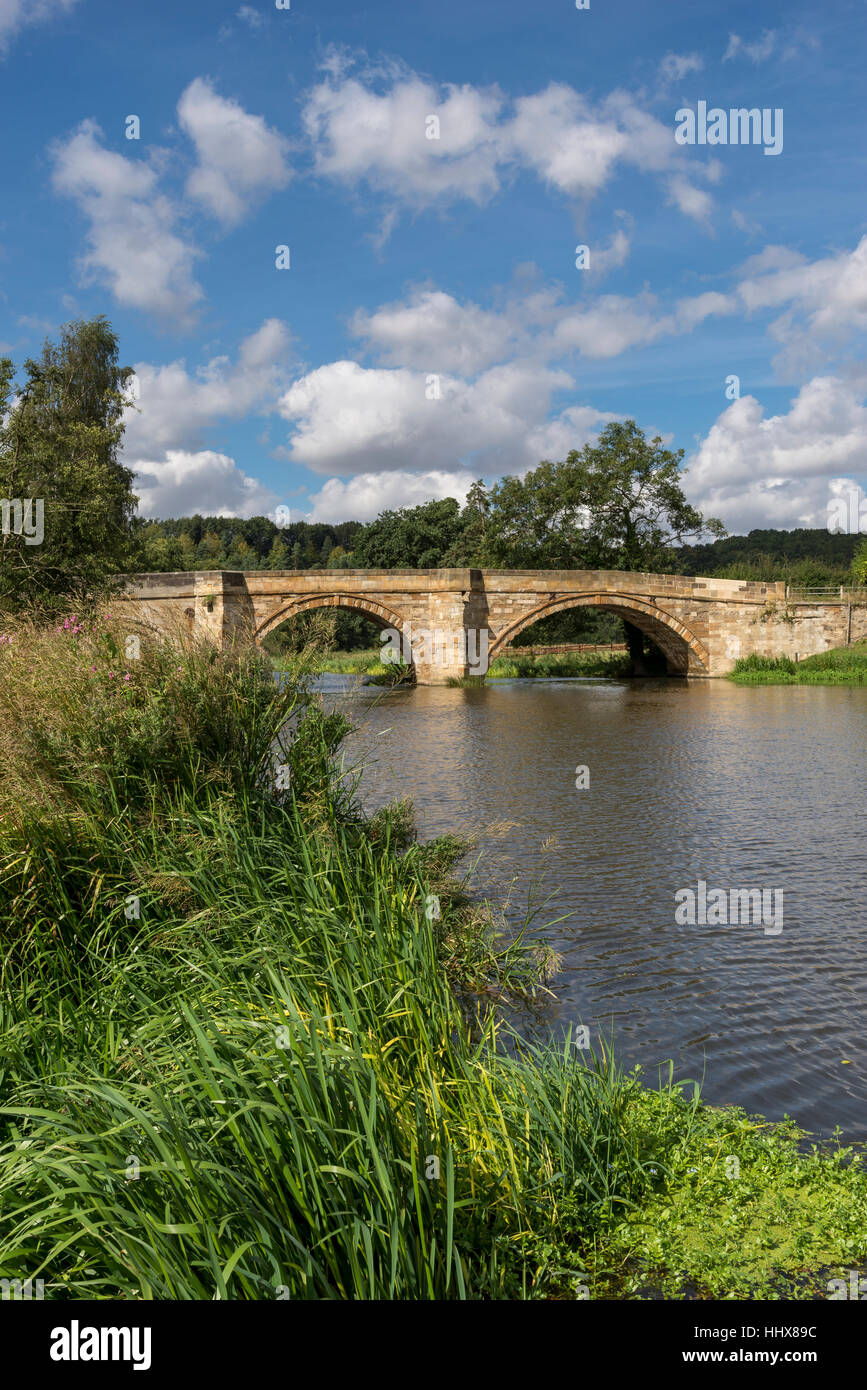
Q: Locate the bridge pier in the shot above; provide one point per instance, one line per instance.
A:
(222, 607)
(453, 640)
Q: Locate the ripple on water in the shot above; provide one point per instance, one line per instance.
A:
(742, 788)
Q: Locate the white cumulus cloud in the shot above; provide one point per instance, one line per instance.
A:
(14, 14)
(434, 331)
(240, 158)
(424, 145)
(348, 419)
(210, 483)
(134, 247)
(359, 133)
(363, 497)
(174, 406)
(754, 470)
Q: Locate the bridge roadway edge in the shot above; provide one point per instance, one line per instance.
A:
(701, 623)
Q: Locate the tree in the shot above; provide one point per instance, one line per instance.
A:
(260, 533)
(859, 564)
(160, 554)
(209, 552)
(241, 557)
(468, 547)
(59, 442)
(278, 555)
(616, 504)
(411, 538)
(188, 552)
(341, 559)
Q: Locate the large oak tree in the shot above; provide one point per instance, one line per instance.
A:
(615, 504)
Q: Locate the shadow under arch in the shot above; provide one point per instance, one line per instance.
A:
(683, 652)
(377, 612)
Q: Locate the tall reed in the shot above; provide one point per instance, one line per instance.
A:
(241, 1055)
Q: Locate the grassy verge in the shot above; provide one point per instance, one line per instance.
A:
(249, 1046)
(550, 666)
(840, 666)
(365, 663)
(351, 663)
(562, 664)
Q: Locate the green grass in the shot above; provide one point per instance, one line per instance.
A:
(559, 665)
(365, 663)
(352, 663)
(503, 667)
(250, 1045)
(390, 673)
(840, 666)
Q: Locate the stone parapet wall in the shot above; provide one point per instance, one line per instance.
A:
(702, 625)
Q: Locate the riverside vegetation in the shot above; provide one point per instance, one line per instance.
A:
(241, 1058)
(840, 666)
(514, 663)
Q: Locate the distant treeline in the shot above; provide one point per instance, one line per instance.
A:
(228, 543)
(425, 538)
(801, 556)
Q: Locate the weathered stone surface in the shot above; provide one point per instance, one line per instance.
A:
(701, 625)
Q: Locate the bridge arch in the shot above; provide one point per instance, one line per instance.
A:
(681, 648)
(377, 612)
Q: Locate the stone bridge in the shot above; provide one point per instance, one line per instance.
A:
(700, 625)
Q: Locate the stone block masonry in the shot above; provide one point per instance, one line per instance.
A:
(701, 625)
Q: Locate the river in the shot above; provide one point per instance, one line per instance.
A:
(738, 787)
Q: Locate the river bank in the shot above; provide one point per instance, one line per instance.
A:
(605, 661)
(251, 1046)
(840, 666)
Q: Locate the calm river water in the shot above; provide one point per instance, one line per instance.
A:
(741, 788)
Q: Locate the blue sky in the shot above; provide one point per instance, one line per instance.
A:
(432, 169)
